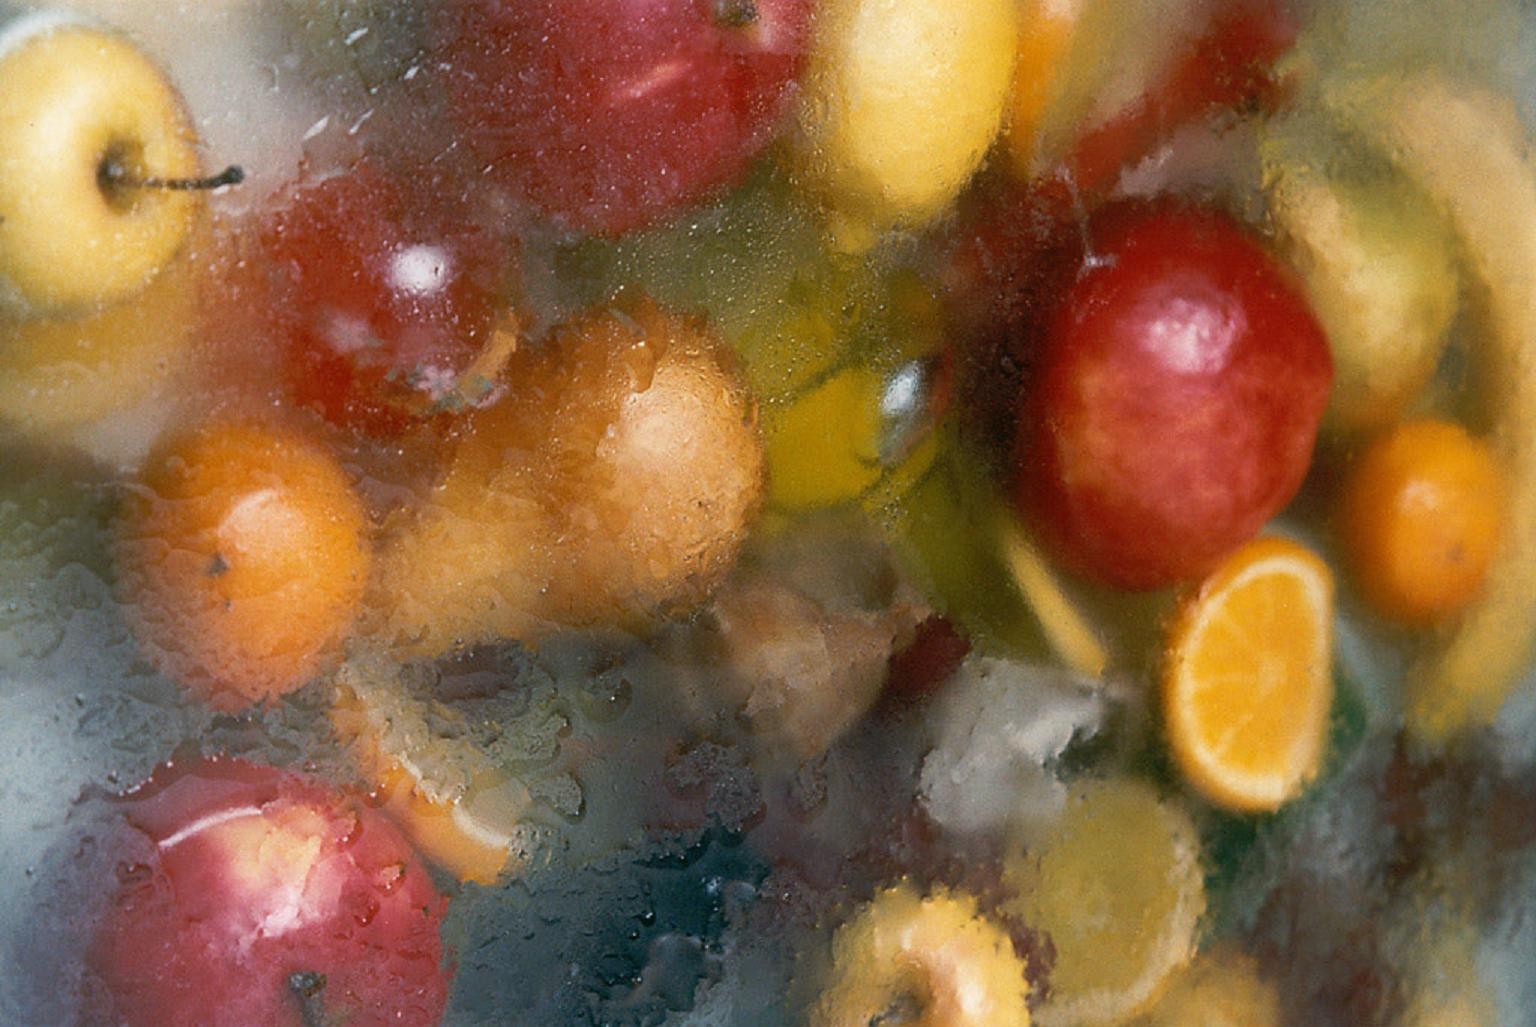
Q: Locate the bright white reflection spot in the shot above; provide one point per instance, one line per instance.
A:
(903, 392)
(419, 270)
(1193, 337)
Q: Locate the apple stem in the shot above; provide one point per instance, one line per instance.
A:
(735, 14)
(115, 175)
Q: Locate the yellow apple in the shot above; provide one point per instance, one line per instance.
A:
(88, 124)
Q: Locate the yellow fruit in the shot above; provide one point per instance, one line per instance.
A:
(1248, 678)
(60, 373)
(75, 102)
(1221, 988)
(1378, 266)
(900, 101)
(1468, 151)
(939, 953)
(1117, 886)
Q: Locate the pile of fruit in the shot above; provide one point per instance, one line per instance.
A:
(758, 511)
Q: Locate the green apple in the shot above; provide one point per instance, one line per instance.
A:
(97, 156)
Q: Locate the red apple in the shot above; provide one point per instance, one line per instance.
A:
(268, 899)
(611, 115)
(384, 295)
(1175, 400)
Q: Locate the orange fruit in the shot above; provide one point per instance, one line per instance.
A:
(1247, 680)
(242, 558)
(1046, 37)
(1420, 518)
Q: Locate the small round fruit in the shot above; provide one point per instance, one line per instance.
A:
(86, 117)
(937, 951)
(1420, 519)
(265, 897)
(1117, 887)
(242, 556)
(1175, 401)
(900, 102)
(384, 300)
(655, 465)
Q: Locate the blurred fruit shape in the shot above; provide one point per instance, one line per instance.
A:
(1420, 518)
(1467, 149)
(846, 357)
(1074, 639)
(99, 150)
(384, 298)
(1378, 265)
(460, 810)
(608, 117)
(943, 531)
(1117, 887)
(58, 373)
(924, 959)
(864, 432)
(1248, 676)
(1221, 988)
(900, 102)
(263, 896)
(1046, 34)
(797, 642)
(612, 486)
(1173, 408)
(242, 557)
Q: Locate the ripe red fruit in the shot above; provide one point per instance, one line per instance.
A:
(382, 296)
(611, 115)
(1175, 401)
(268, 898)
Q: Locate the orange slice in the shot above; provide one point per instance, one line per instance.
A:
(1248, 684)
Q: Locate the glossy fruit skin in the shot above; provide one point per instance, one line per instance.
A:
(381, 295)
(242, 559)
(71, 98)
(1176, 399)
(1420, 518)
(254, 875)
(608, 116)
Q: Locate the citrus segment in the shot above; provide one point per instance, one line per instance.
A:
(1221, 988)
(936, 953)
(1247, 684)
(1118, 889)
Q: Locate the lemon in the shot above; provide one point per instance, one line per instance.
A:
(901, 100)
(938, 952)
(1221, 988)
(1117, 887)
